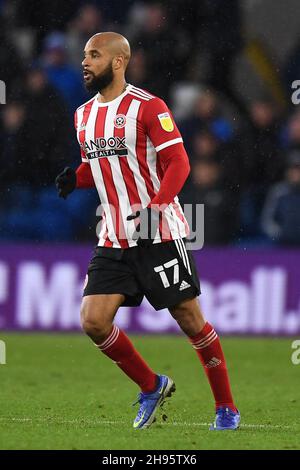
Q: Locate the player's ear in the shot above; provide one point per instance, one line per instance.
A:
(118, 62)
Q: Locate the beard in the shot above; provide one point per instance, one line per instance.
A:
(100, 82)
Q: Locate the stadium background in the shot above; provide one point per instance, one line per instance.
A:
(226, 69)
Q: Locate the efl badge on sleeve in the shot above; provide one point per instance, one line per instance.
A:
(166, 122)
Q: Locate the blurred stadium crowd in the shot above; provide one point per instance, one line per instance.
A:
(244, 151)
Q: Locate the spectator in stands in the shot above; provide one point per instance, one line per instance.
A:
(262, 161)
(219, 205)
(42, 17)
(11, 66)
(215, 30)
(165, 58)
(13, 146)
(137, 72)
(35, 146)
(61, 75)
(291, 135)
(281, 214)
(47, 112)
(260, 145)
(207, 114)
(35, 132)
(291, 69)
(207, 146)
(87, 22)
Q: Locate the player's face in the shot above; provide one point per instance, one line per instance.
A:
(97, 69)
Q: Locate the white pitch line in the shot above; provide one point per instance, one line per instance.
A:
(55, 420)
(253, 426)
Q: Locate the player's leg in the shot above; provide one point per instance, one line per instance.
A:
(111, 283)
(97, 315)
(168, 275)
(206, 342)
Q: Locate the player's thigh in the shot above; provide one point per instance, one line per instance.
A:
(100, 309)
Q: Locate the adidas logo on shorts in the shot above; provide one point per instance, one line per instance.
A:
(184, 285)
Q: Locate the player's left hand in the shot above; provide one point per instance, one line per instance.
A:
(66, 182)
(147, 226)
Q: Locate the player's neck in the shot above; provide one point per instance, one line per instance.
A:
(112, 92)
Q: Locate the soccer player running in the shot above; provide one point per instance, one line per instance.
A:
(133, 153)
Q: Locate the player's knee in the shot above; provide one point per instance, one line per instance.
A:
(93, 323)
(189, 308)
(96, 330)
(188, 316)
(182, 311)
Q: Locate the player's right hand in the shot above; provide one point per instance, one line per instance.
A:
(147, 226)
(66, 182)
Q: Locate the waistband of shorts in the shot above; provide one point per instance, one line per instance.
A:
(107, 252)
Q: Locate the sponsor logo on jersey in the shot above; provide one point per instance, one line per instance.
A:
(119, 121)
(100, 147)
(166, 122)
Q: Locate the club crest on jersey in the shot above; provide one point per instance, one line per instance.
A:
(119, 121)
(166, 122)
(82, 126)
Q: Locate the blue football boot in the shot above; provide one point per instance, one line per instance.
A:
(226, 419)
(149, 402)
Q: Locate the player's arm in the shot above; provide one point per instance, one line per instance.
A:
(160, 127)
(162, 130)
(69, 179)
(176, 170)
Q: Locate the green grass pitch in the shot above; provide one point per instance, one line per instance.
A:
(59, 392)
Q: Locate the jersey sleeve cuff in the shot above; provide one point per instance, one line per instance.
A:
(167, 144)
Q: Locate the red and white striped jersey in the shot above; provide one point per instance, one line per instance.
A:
(121, 140)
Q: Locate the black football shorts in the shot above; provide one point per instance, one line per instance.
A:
(164, 273)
